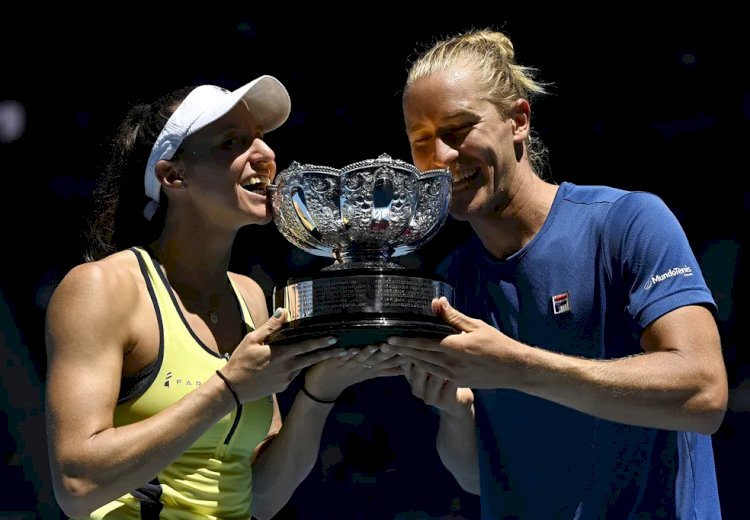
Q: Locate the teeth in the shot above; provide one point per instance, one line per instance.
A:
(255, 182)
(462, 174)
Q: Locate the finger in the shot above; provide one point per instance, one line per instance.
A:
(395, 342)
(386, 364)
(450, 384)
(388, 372)
(453, 317)
(303, 347)
(418, 380)
(310, 358)
(386, 349)
(432, 368)
(432, 387)
(366, 357)
(350, 353)
(273, 324)
(386, 354)
(372, 356)
(429, 356)
(346, 356)
(407, 368)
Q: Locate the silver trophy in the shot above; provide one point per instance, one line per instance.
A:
(361, 216)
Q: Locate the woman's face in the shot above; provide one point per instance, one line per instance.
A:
(228, 167)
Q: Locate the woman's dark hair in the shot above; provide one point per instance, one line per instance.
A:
(117, 220)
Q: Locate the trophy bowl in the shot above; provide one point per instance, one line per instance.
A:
(361, 216)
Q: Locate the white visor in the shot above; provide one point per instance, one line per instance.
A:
(266, 98)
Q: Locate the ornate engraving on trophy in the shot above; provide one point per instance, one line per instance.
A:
(360, 216)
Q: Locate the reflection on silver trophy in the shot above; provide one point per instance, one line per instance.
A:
(361, 216)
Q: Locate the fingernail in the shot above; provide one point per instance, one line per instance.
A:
(278, 312)
(331, 341)
(341, 353)
(372, 349)
(384, 348)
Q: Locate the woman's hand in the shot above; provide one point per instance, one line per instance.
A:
(327, 379)
(256, 369)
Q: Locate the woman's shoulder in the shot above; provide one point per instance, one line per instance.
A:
(252, 293)
(97, 306)
(114, 276)
(250, 289)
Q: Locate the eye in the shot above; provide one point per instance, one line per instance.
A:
(239, 143)
(455, 135)
(231, 143)
(420, 140)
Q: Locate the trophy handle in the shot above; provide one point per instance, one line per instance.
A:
(303, 214)
(434, 192)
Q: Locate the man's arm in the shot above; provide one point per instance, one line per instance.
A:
(678, 383)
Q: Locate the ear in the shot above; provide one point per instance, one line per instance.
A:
(170, 174)
(521, 120)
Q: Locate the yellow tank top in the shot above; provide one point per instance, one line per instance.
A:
(213, 478)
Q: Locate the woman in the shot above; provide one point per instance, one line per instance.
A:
(160, 389)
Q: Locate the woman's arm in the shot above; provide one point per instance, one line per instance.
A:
(94, 317)
(99, 312)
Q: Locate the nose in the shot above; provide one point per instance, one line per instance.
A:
(445, 154)
(261, 152)
(262, 157)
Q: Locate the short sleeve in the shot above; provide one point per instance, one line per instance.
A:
(650, 255)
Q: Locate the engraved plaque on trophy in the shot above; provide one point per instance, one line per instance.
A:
(361, 216)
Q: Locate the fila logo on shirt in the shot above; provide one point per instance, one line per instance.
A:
(561, 303)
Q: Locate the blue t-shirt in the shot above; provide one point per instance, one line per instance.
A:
(605, 264)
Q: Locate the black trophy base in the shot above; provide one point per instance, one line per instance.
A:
(359, 331)
(361, 306)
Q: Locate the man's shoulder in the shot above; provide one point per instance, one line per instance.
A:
(609, 204)
(591, 194)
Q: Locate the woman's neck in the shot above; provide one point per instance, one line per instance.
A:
(200, 265)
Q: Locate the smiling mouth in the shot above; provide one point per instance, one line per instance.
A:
(462, 179)
(257, 185)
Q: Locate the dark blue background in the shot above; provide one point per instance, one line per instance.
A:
(637, 101)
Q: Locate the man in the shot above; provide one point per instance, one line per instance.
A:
(592, 349)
